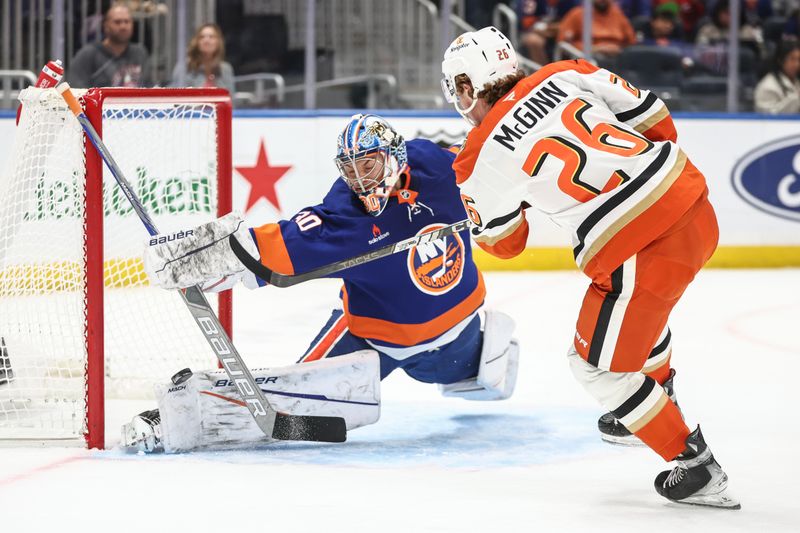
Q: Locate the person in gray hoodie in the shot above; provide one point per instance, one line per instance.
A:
(114, 61)
(205, 64)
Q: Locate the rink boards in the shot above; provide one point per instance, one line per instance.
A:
(752, 164)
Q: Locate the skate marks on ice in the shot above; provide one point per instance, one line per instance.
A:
(411, 435)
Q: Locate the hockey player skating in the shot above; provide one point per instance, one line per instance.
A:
(598, 157)
(418, 310)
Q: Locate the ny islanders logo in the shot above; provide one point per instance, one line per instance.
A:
(436, 267)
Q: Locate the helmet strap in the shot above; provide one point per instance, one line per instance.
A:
(463, 112)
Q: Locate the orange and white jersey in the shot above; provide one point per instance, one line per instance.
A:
(587, 149)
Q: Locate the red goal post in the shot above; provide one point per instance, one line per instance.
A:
(174, 146)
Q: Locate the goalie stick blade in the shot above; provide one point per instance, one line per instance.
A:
(309, 428)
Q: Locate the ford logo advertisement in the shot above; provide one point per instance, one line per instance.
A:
(768, 178)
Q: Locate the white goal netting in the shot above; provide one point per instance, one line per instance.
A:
(168, 152)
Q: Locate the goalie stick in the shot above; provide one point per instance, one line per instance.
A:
(287, 280)
(275, 425)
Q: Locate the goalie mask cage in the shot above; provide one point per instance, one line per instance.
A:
(78, 321)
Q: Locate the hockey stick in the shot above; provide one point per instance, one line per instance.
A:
(287, 280)
(275, 425)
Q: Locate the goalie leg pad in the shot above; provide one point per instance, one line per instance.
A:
(205, 411)
(499, 363)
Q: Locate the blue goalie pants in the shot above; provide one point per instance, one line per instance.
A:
(452, 362)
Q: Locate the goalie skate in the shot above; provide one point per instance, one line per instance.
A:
(143, 433)
(698, 478)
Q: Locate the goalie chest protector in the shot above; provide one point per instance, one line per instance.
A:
(404, 299)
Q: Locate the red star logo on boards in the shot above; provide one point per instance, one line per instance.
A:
(263, 177)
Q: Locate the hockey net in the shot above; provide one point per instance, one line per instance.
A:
(79, 322)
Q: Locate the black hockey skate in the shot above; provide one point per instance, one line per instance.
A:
(6, 374)
(613, 432)
(697, 479)
(143, 433)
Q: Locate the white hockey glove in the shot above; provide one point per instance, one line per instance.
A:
(201, 256)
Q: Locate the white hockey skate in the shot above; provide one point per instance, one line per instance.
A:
(143, 433)
(698, 478)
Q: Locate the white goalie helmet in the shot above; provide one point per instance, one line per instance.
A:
(484, 56)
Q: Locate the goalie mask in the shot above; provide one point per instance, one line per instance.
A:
(370, 157)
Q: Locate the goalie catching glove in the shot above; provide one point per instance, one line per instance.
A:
(201, 256)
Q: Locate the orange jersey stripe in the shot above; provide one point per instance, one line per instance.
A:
(327, 341)
(666, 433)
(654, 221)
(509, 246)
(465, 162)
(272, 249)
(412, 334)
(663, 130)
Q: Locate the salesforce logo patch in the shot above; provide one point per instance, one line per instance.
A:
(768, 178)
(436, 267)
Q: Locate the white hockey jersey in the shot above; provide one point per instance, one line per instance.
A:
(589, 150)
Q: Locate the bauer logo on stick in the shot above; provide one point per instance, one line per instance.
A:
(436, 266)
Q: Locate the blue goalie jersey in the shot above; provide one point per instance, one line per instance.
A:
(405, 299)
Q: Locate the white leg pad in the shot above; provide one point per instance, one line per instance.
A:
(205, 412)
(611, 389)
(497, 373)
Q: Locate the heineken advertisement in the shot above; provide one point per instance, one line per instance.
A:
(56, 199)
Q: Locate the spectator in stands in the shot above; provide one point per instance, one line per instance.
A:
(689, 11)
(205, 64)
(711, 50)
(779, 90)
(662, 30)
(716, 30)
(539, 21)
(611, 29)
(114, 61)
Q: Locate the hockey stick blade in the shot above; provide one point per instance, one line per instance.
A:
(263, 413)
(287, 280)
(309, 428)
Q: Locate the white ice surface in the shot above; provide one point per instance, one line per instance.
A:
(533, 463)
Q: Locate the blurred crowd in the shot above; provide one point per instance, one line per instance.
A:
(115, 61)
(695, 32)
(679, 42)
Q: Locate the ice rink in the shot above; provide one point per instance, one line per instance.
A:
(533, 463)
